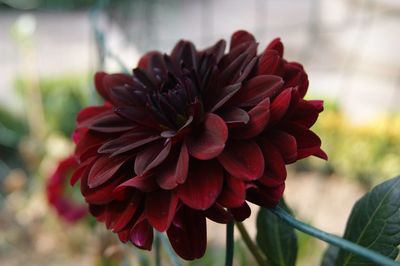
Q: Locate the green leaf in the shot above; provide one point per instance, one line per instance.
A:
(374, 223)
(276, 239)
(330, 256)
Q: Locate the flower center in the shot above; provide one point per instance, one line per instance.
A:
(175, 100)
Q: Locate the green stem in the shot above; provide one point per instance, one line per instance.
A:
(255, 251)
(229, 245)
(157, 248)
(332, 239)
(170, 252)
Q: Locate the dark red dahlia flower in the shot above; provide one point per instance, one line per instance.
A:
(56, 196)
(193, 135)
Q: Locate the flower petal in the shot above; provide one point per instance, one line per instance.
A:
(267, 197)
(306, 112)
(248, 68)
(243, 160)
(151, 156)
(145, 79)
(259, 117)
(141, 235)
(82, 170)
(240, 37)
(128, 213)
(109, 123)
(102, 194)
(257, 89)
(232, 71)
(55, 192)
(160, 208)
(218, 214)
(275, 169)
(98, 211)
(295, 76)
(189, 56)
(88, 144)
(103, 169)
(308, 143)
(188, 234)
(93, 115)
(223, 95)
(285, 143)
(279, 106)
(234, 116)
(269, 63)
(110, 81)
(249, 48)
(157, 66)
(127, 96)
(175, 171)
(138, 115)
(143, 183)
(147, 60)
(184, 53)
(210, 140)
(127, 142)
(99, 84)
(202, 186)
(216, 50)
(89, 113)
(241, 213)
(124, 235)
(321, 154)
(276, 45)
(233, 193)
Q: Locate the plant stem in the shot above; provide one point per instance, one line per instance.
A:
(171, 254)
(157, 248)
(229, 245)
(251, 246)
(332, 239)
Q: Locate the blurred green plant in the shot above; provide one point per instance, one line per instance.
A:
(363, 152)
(62, 98)
(12, 130)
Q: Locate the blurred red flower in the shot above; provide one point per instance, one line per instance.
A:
(193, 135)
(56, 196)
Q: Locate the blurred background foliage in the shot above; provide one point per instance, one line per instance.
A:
(368, 153)
(62, 97)
(49, 61)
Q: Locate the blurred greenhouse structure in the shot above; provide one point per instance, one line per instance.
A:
(49, 51)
